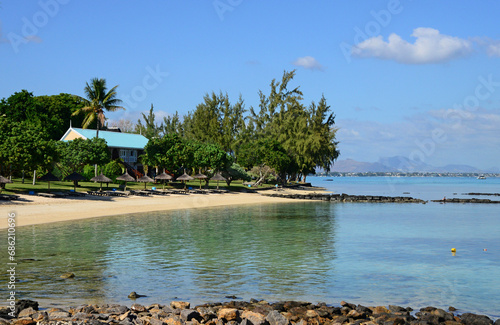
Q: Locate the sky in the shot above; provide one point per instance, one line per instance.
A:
(419, 79)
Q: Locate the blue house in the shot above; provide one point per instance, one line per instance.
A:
(126, 146)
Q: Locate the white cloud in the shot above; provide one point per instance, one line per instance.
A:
(430, 47)
(308, 62)
(493, 49)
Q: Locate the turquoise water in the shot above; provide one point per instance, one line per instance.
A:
(371, 254)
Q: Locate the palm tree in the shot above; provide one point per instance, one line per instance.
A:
(98, 100)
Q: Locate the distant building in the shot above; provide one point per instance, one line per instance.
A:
(126, 146)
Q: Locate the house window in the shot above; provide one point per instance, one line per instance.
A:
(133, 156)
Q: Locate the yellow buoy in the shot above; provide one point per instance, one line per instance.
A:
(454, 250)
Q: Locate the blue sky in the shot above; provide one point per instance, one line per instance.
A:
(419, 79)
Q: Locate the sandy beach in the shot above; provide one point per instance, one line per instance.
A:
(32, 210)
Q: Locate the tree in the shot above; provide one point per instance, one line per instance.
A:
(235, 172)
(98, 99)
(307, 135)
(24, 146)
(216, 121)
(150, 129)
(208, 156)
(77, 153)
(172, 124)
(262, 154)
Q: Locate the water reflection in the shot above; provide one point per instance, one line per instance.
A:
(269, 251)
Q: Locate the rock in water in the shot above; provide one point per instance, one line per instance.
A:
(68, 275)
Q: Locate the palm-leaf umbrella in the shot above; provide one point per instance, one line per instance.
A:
(4, 180)
(49, 177)
(163, 176)
(184, 177)
(218, 178)
(101, 179)
(200, 177)
(145, 179)
(75, 177)
(126, 178)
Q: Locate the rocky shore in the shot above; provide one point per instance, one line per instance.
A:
(26, 312)
(347, 198)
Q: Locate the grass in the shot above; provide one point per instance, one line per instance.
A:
(17, 187)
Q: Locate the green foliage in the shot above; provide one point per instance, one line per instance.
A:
(24, 146)
(210, 156)
(98, 100)
(235, 172)
(51, 113)
(76, 153)
(150, 129)
(216, 121)
(113, 169)
(88, 171)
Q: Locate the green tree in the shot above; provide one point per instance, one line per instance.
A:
(216, 121)
(235, 172)
(149, 129)
(77, 153)
(24, 146)
(172, 124)
(98, 100)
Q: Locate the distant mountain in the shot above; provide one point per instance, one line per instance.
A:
(399, 164)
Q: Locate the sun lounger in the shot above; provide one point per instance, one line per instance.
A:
(98, 193)
(7, 197)
(118, 193)
(46, 194)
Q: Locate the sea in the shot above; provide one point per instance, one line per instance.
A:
(362, 253)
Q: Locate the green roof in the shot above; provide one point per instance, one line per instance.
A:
(113, 139)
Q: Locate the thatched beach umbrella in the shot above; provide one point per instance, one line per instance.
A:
(218, 177)
(101, 179)
(49, 177)
(4, 180)
(126, 178)
(163, 176)
(200, 177)
(185, 177)
(75, 177)
(145, 179)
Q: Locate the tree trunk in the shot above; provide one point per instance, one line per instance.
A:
(34, 177)
(23, 176)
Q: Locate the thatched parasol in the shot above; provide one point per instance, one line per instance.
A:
(101, 179)
(145, 179)
(218, 178)
(4, 180)
(49, 177)
(200, 177)
(75, 177)
(126, 178)
(163, 176)
(184, 177)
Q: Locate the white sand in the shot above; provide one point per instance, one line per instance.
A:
(32, 210)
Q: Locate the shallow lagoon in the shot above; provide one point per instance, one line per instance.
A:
(372, 254)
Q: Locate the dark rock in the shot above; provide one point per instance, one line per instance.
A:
(231, 297)
(452, 308)
(253, 317)
(279, 306)
(396, 309)
(80, 315)
(135, 295)
(497, 322)
(363, 309)
(190, 314)
(473, 319)
(116, 310)
(275, 318)
(25, 303)
(348, 305)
